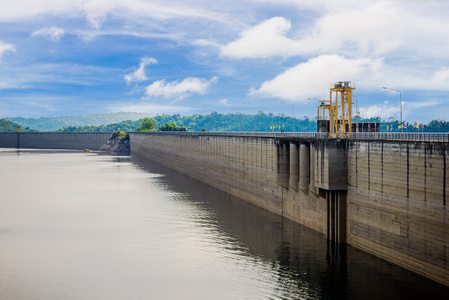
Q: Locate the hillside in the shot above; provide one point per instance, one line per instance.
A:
(212, 122)
(260, 122)
(8, 126)
(55, 123)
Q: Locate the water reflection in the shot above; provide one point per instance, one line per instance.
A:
(302, 263)
(79, 225)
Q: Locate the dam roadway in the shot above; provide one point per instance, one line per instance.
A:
(384, 193)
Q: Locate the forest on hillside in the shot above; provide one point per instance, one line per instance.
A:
(260, 122)
(213, 122)
(8, 126)
(55, 123)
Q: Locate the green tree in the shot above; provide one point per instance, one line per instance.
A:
(8, 126)
(147, 125)
(171, 127)
(120, 136)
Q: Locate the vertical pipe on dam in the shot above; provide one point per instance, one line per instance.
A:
(342, 216)
(294, 166)
(331, 222)
(313, 165)
(304, 170)
(283, 164)
(336, 216)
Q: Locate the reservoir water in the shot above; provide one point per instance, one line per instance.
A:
(76, 225)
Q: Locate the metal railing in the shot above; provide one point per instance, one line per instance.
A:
(425, 137)
(394, 136)
(240, 133)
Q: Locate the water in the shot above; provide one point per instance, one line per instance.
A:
(84, 226)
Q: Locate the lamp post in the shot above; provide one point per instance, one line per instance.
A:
(400, 101)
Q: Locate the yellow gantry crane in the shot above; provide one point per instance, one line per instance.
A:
(338, 109)
(323, 110)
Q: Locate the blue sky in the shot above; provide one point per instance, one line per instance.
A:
(197, 56)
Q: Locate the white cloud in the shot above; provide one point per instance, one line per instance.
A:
(29, 76)
(96, 12)
(179, 90)
(419, 105)
(264, 40)
(383, 110)
(369, 29)
(206, 43)
(139, 74)
(312, 78)
(394, 43)
(413, 77)
(386, 110)
(4, 47)
(53, 33)
(223, 102)
(320, 5)
(440, 79)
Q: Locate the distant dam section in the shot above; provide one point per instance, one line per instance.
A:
(383, 193)
(54, 140)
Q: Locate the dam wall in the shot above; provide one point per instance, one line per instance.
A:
(54, 140)
(384, 194)
(386, 197)
(397, 203)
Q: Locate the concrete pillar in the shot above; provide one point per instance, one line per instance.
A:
(342, 216)
(294, 166)
(304, 170)
(283, 164)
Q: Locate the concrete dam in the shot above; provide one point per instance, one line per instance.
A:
(54, 140)
(384, 193)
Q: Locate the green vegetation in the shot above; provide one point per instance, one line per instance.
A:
(120, 136)
(437, 126)
(235, 122)
(146, 125)
(124, 126)
(55, 123)
(149, 125)
(171, 127)
(260, 122)
(8, 126)
(211, 122)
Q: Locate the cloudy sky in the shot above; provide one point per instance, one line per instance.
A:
(198, 56)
